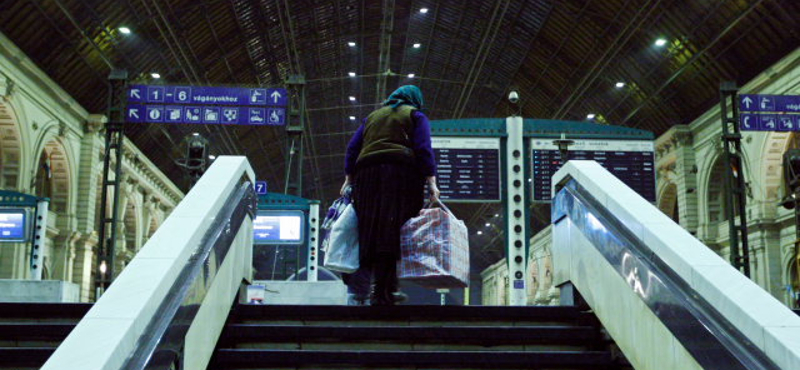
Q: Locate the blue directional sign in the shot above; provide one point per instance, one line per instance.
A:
(206, 105)
(769, 112)
(207, 95)
(261, 187)
(769, 103)
(151, 113)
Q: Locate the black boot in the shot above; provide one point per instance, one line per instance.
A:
(385, 275)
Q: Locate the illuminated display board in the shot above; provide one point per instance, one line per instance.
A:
(632, 161)
(468, 168)
(279, 227)
(13, 222)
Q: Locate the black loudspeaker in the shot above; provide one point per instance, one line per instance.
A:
(791, 177)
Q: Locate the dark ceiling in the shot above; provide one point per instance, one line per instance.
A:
(564, 56)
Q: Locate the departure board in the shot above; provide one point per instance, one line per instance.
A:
(632, 161)
(468, 169)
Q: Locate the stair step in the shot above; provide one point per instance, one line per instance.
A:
(17, 358)
(265, 359)
(244, 312)
(480, 335)
(44, 311)
(35, 331)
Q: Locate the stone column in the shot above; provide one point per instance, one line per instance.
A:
(64, 255)
(686, 179)
(90, 173)
(83, 269)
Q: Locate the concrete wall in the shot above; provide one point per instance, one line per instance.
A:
(50, 145)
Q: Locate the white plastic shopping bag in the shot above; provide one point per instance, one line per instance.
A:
(342, 253)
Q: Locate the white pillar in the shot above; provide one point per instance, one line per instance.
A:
(516, 208)
(312, 271)
(37, 245)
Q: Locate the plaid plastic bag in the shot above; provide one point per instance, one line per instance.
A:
(434, 249)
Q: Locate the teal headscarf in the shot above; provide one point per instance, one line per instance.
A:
(408, 95)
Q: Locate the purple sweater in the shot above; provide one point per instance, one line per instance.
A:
(422, 146)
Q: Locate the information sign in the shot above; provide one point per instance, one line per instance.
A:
(632, 161)
(769, 112)
(261, 187)
(278, 227)
(12, 225)
(207, 95)
(206, 105)
(468, 169)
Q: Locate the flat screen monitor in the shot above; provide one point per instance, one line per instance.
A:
(13, 225)
(279, 227)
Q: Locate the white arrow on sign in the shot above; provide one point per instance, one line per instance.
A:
(747, 101)
(275, 96)
(135, 94)
(133, 113)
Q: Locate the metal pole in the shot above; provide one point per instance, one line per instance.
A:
(115, 136)
(294, 131)
(734, 178)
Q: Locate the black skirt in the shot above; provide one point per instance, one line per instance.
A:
(385, 196)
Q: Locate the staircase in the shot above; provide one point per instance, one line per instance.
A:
(412, 337)
(30, 332)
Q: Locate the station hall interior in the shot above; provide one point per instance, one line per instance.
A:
(625, 174)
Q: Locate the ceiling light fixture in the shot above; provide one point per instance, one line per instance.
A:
(351, 44)
(423, 10)
(620, 85)
(411, 75)
(351, 74)
(124, 30)
(155, 75)
(496, 215)
(590, 116)
(417, 45)
(480, 232)
(352, 98)
(488, 224)
(661, 42)
(352, 118)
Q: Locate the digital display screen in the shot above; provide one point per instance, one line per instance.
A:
(279, 227)
(631, 161)
(468, 169)
(12, 225)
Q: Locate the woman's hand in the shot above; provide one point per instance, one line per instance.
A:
(345, 185)
(433, 190)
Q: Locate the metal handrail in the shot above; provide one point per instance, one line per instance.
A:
(160, 346)
(713, 341)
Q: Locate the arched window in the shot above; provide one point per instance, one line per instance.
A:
(717, 193)
(668, 202)
(10, 149)
(52, 176)
(44, 178)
